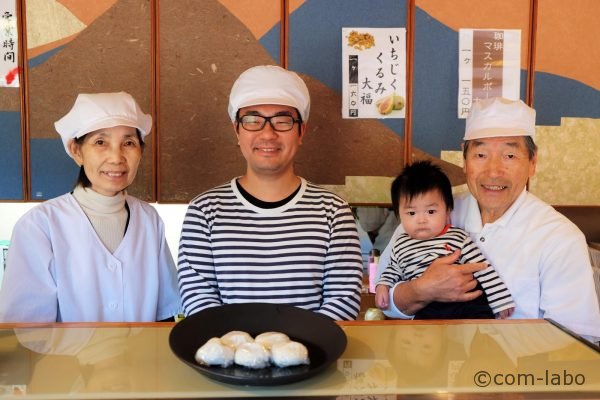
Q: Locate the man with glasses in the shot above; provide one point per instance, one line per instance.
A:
(269, 235)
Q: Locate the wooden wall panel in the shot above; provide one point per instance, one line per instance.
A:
(436, 126)
(567, 100)
(203, 48)
(335, 148)
(567, 78)
(203, 45)
(112, 53)
(11, 162)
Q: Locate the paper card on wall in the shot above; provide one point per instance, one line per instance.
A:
(489, 66)
(373, 72)
(9, 56)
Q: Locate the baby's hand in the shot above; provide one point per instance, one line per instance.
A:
(382, 297)
(505, 313)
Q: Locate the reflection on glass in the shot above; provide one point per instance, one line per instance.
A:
(88, 359)
(421, 354)
(427, 356)
(448, 356)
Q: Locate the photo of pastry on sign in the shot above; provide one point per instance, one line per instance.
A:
(387, 104)
(360, 41)
(373, 72)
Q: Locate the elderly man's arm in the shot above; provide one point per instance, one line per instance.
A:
(567, 292)
(442, 281)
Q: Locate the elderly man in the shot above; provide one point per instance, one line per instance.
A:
(540, 255)
(269, 235)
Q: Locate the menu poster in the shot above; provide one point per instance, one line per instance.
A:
(373, 72)
(9, 67)
(489, 66)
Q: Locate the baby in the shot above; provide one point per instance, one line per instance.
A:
(422, 198)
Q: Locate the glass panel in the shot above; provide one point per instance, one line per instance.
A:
(487, 359)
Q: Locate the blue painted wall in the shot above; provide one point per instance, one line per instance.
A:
(557, 97)
(11, 177)
(53, 172)
(271, 42)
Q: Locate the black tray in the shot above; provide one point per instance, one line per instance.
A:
(323, 338)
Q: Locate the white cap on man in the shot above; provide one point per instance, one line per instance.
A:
(101, 110)
(497, 116)
(269, 84)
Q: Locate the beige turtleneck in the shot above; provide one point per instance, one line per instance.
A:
(107, 215)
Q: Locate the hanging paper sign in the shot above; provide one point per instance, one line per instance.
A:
(489, 66)
(9, 66)
(373, 72)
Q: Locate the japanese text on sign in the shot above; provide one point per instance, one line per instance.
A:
(374, 72)
(489, 66)
(9, 70)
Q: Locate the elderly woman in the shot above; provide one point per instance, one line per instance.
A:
(95, 254)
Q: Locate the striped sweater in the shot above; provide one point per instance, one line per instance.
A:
(305, 253)
(411, 257)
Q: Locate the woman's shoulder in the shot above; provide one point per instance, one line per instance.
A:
(61, 203)
(49, 212)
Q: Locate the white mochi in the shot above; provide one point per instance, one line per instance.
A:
(287, 354)
(268, 339)
(214, 352)
(252, 355)
(235, 338)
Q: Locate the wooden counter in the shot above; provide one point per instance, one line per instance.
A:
(383, 360)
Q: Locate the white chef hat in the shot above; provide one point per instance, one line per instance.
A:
(269, 84)
(498, 116)
(101, 110)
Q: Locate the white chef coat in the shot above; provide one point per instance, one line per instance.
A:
(59, 270)
(540, 255)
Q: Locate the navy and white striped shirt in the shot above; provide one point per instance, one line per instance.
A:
(305, 253)
(411, 257)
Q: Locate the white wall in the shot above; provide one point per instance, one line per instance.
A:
(9, 214)
(172, 215)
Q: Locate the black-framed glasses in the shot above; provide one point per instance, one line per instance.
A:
(279, 123)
